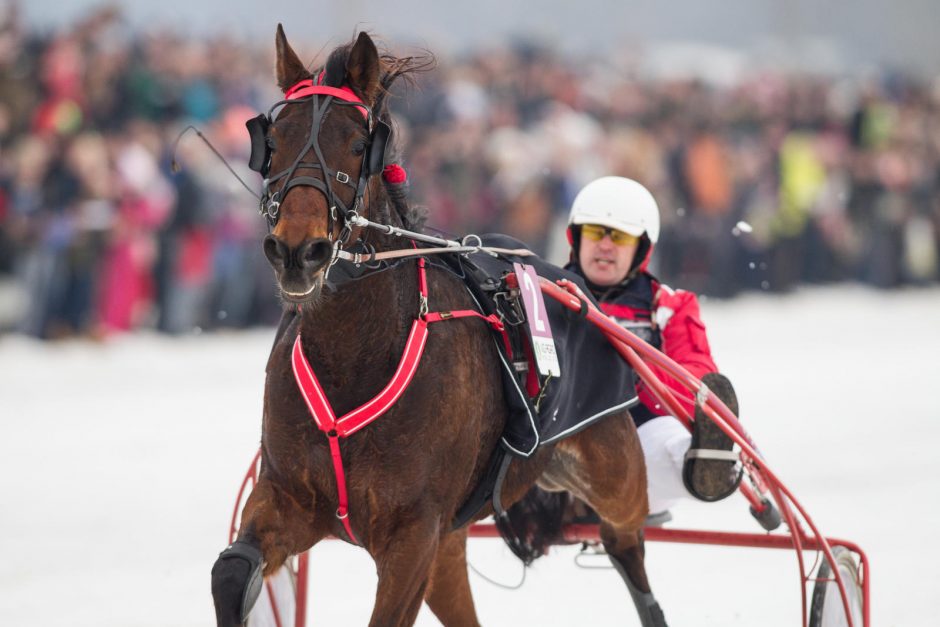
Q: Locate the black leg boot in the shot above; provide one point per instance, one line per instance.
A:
(647, 607)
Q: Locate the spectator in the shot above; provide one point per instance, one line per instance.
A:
(836, 181)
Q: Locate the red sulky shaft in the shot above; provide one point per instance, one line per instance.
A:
(632, 348)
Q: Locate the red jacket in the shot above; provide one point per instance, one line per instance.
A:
(671, 321)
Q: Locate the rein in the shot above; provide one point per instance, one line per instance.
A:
(448, 246)
(374, 260)
(358, 258)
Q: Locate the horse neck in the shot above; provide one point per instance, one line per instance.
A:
(377, 293)
(368, 316)
(363, 320)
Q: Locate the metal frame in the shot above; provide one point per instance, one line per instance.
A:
(764, 490)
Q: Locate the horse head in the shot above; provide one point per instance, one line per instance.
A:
(319, 153)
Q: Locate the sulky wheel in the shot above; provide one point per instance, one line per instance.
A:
(826, 609)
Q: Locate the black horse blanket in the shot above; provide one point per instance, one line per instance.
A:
(594, 381)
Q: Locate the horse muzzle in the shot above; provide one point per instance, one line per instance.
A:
(299, 270)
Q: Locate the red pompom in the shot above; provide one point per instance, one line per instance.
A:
(394, 174)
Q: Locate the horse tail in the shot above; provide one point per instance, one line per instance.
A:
(534, 523)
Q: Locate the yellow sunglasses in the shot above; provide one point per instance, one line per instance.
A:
(596, 233)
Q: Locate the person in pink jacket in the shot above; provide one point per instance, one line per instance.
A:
(613, 227)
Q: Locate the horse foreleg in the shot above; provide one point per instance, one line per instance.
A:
(404, 565)
(273, 527)
(448, 594)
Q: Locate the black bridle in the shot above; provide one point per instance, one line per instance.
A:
(373, 158)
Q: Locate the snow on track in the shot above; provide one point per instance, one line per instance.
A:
(121, 461)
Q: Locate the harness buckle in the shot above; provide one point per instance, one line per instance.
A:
(422, 305)
(342, 515)
(335, 256)
(273, 209)
(342, 177)
(271, 206)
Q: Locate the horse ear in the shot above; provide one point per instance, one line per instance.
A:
(290, 70)
(362, 68)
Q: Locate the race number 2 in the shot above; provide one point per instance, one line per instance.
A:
(543, 344)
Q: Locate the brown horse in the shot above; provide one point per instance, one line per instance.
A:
(409, 472)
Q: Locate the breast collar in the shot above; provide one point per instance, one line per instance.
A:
(338, 427)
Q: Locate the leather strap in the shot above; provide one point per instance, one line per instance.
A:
(342, 500)
(335, 428)
(440, 316)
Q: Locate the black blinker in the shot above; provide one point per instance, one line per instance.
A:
(375, 161)
(260, 158)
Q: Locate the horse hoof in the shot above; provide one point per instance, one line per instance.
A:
(236, 583)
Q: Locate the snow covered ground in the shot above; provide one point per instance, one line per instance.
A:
(119, 464)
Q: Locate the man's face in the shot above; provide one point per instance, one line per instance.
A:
(604, 262)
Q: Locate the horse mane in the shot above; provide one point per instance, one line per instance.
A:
(391, 69)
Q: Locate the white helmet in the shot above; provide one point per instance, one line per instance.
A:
(618, 203)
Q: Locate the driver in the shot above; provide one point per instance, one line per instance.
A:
(613, 228)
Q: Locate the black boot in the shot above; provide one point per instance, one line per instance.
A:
(710, 472)
(236, 583)
(647, 608)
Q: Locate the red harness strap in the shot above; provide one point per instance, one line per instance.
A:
(493, 319)
(335, 428)
(440, 316)
(310, 87)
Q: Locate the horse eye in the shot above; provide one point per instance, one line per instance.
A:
(359, 147)
(270, 142)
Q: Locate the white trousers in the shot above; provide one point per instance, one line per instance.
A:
(664, 441)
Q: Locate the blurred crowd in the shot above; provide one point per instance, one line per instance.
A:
(763, 184)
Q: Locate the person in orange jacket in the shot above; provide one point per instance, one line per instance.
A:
(613, 227)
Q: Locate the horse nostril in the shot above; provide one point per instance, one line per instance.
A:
(316, 254)
(275, 250)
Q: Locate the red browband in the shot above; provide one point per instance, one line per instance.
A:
(393, 172)
(310, 87)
